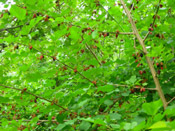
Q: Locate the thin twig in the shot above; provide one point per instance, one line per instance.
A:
(22, 90)
(170, 100)
(93, 54)
(153, 21)
(112, 17)
(121, 33)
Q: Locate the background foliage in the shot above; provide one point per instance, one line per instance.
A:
(76, 65)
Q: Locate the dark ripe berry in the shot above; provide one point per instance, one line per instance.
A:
(132, 91)
(94, 82)
(116, 35)
(16, 47)
(24, 89)
(34, 15)
(154, 16)
(141, 54)
(30, 47)
(92, 30)
(107, 34)
(58, 25)
(158, 35)
(82, 51)
(155, 26)
(144, 71)
(54, 58)
(135, 57)
(158, 72)
(103, 62)
(151, 29)
(92, 66)
(161, 5)
(41, 57)
(46, 19)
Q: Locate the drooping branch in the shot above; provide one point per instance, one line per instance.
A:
(22, 90)
(154, 75)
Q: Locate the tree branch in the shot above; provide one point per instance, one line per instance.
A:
(170, 100)
(93, 54)
(156, 80)
(153, 21)
(22, 90)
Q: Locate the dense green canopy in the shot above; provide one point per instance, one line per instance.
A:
(87, 65)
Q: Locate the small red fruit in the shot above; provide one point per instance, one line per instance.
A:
(41, 57)
(53, 117)
(140, 72)
(34, 15)
(82, 51)
(161, 5)
(24, 89)
(16, 47)
(132, 91)
(30, 47)
(161, 67)
(142, 90)
(157, 64)
(54, 58)
(104, 35)
(103, 62)
(75, 70)
(94, 46)
(155, 25)
(151, 29)
(38, 124)
(94, 82)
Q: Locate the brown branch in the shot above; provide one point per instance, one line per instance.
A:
(22, 90)
(153, 21)
(11, 28)
(93, 54)
(118, 85)
(121, 33)
(152, 69)
(170, 100)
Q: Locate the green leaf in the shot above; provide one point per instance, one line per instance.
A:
(152, 108)
(106, 88)
(20, 13)
(94, 34)
(158, 125)
(61, 117)
(115, 116)
(4, 99)
(85, 126)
